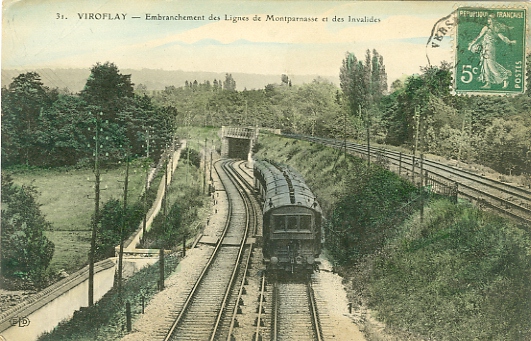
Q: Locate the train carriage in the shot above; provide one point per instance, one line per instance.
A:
(291, 218)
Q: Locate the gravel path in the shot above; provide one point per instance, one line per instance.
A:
(332, 304)
(164, 307)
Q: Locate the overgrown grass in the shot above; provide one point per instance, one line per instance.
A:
(67, 199)
(187, 206)
(463, 274)
(106, 320)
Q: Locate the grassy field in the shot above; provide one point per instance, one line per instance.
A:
(67, 199)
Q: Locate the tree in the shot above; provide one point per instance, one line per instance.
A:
(229, 83)
(425, 95)
(105, 89)
(62, 132)
(316, 109)
(22, 104)
(25, 250)
(363, 85)
(285, 79)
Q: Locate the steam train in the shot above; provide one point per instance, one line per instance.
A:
(291, 219)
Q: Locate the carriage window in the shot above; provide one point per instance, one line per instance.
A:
(292, 223)
(306, 222)
(279, 222)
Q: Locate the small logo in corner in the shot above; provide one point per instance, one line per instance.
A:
(21, 321)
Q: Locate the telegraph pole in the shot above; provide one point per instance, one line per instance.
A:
(204, 166)
(124, 218)
(144, 223)
(417, 122)
(211, 182)
(96, 212)
(163, 241)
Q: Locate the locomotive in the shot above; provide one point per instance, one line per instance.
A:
(291, 219)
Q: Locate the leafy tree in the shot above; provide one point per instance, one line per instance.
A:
(62, 132)
(316, 109)
(105, 89)
(425, 95)
(229, 83)
(363, 84)
(22, 104)
(505, 144)
(25, 250)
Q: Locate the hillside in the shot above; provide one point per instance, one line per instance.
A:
(75, 79)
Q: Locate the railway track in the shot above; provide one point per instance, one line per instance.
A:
(295, 315)
(204, 310)
(505, 198)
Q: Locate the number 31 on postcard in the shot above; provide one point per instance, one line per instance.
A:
(490, 50)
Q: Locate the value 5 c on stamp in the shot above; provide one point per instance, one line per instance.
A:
(490, 50)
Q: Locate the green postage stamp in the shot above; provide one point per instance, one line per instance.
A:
(490, 50)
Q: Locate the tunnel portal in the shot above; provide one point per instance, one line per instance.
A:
(238, 142)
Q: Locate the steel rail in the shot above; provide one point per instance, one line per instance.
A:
(312, 311)
(316, 323)
(240, 293)
(408, 159)
(275, 307)
(256, 336)
(206, 268)
(246, 202)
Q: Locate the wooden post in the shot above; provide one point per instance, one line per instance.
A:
(96, 212)
(421, 170)
(417, 121)
(161, 268)
(204, 167)
(399, 163)
(128, 315)
(413, 169)
(124, 217)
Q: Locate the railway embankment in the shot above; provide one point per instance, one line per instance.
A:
(415, 266)
(107, 319)
(42, 312)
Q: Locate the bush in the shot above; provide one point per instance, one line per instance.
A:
(462, 275)
(25, 250)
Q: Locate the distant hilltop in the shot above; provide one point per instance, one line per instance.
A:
(75, 79)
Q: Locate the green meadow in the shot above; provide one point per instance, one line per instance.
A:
(67, 199)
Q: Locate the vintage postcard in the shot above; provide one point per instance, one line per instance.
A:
(252, 170)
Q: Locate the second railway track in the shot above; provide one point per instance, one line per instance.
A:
(295, 315)
(507, 199)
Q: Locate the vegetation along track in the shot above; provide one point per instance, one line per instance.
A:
(510, 200)
(295, 315)
(203, 310)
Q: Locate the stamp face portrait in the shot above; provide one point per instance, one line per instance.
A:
(490, 50)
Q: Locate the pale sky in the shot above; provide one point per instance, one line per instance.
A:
(50, 34)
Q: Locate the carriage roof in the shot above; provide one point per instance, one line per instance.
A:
(284, 187)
